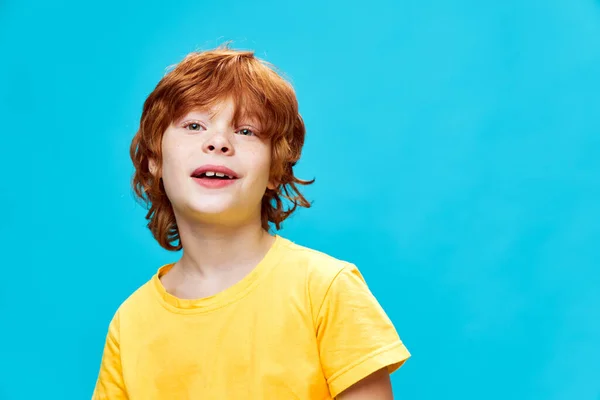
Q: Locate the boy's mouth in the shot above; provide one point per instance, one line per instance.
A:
(213, 175)
(214, 172)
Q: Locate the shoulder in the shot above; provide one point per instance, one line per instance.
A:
(136, 303)
(314, 263)
(316, 269)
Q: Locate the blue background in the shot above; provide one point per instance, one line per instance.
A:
(456, 147)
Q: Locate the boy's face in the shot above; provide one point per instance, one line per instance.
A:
(205, 142)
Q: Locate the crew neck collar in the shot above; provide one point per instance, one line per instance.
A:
(223, 298)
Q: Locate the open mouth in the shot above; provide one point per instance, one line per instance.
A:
(213, 175)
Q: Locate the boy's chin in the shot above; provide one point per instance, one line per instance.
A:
(214, 212)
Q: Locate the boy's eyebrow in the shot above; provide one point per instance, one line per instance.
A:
(211, 112)
(193, 111)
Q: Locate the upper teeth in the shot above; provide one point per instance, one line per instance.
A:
(219, 174)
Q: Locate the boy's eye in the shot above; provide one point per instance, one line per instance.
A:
(193, 126)
(246, 132)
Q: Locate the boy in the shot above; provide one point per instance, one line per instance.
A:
(243, 314)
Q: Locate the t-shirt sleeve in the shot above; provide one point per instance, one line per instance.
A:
(110, 385)
(354, 334)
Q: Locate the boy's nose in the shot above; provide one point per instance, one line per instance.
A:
(218, 144)
(223, 149)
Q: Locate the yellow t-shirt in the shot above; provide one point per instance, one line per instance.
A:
(301, 325)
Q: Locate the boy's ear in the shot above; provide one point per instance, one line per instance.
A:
(152, 167)
(272, 185)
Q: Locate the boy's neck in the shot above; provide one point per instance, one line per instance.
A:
(214, 250)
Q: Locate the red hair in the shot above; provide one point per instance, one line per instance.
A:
(201, 80)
